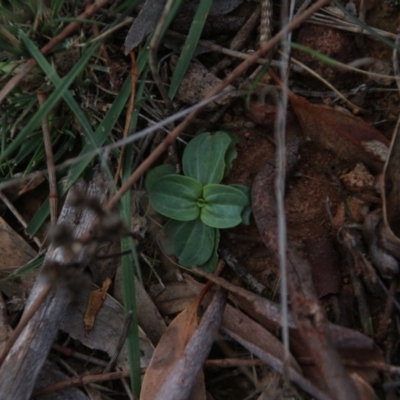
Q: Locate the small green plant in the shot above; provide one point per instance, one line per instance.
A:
(196, 202)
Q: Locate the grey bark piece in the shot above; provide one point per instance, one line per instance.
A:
(26, 358)
(107, 328)
(144, 24)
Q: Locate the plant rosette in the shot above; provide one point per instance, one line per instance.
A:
(197, 204)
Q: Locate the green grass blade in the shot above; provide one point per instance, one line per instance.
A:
(190, 46)
(56, 81)
(52, 100)
(319, 56)
(127, 263)
(35, 263)
(366, 27)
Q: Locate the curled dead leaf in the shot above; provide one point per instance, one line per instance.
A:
(175, 372)
(349, 137)
(96, 300)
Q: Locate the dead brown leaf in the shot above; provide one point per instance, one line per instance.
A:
(96, 300)
(349, 137)
(174, 298)
(364, 388)
(14, 251)
(169, 351)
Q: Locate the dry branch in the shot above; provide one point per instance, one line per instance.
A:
(26, 358)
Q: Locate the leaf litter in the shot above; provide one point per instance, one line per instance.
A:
(329, 356)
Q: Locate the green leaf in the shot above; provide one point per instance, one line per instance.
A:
(192, 242)
(224, 206)
(246, 210)
(211, 263)
(190, 46)
(175, 196)
(204, 157)
(156, 173)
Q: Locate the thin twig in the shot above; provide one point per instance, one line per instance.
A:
(53, 196)
(79, 356)
(325, 82)
(247, 278)
(83, 381)
(239, 40)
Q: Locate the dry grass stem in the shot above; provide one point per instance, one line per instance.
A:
(53, 196)
(129, 112)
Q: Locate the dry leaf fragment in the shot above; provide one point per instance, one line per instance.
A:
(169, 350)
(265, 114)
(349, 137)
(14, 250)
(96, 300)
(144, 24)
(106, 331)
(188, 368)
(196, 84)
(358, 209)
(176, 297)
(175, 369)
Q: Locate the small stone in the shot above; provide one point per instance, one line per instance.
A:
(358, 179)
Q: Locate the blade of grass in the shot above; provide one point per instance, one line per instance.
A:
(190, 46)
(35, 263)
(35, 121)
(56, 80)
(128, 275)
